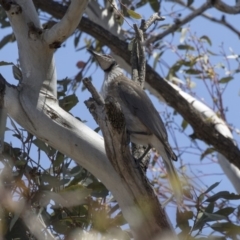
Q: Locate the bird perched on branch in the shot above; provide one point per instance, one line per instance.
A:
(143, 122)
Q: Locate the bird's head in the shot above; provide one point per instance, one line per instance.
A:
(106, 62)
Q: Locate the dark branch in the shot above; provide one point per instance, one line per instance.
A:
(212, 19)
(180, 23)
(223, 7)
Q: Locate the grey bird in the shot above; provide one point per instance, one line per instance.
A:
(142, 119)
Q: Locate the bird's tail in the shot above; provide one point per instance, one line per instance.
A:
(173, 177)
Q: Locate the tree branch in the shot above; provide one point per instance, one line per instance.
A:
(3, 114)
(180, 23)
(223, 7)
(221, 21)
(71, 137)
(63, 29)
(151, 217)
(203, 128)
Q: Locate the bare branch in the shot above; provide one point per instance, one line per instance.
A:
(97, 97)
(141, 55)
(146, 24)
(223, 7)
(221, 21)
(63, 29)
(180, 23)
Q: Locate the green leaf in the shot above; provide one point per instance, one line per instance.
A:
(75, 195)
(207, 151)
(212, 53)
(77, 38)
(225, 211)
(183, 34)
(209, 208)
(212, 187)
(185, 47)
(182, 218)
(201, 196)
(155, 5)
(68, 102)
(202, 217)
(225, 79)
(3, 63)
(141, 3)
(134, 14)
(226, 227)
(20, 163)
(99, 190)
(59, 159)
(41, 145)
(97, 129)
(207, 39)
(60, 227)
(51, 180)
(6, 39)
(193, 71)
(184, 124)
(156, 58)
(214, 217)
(75, 170)
(64, 83)
(17, 73)
(224, 195)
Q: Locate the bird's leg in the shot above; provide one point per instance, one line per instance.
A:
(141, 157)
(145, 153)
(138, 151)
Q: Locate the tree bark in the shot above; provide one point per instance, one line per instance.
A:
(152, 219)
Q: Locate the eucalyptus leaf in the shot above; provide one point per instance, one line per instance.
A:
(134, 14)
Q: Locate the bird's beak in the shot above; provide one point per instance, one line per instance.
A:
(104, 61)
(93, 52)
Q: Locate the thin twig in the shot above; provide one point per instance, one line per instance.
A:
(180, 23)
(134, 61)
(146, 24)
(141, 55)
(221, 21)
(97, 97)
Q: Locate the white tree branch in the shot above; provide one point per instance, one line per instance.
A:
(71, 137)
(63, 29)
(231, 171)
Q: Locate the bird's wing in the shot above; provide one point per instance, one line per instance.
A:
(141, 106)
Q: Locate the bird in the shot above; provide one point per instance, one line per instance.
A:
(143, 121)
